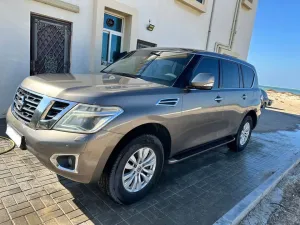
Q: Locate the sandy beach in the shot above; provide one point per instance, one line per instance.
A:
(285, 102)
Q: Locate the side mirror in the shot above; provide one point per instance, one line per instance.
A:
(203, 81)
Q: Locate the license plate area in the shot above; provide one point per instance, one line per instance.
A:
(15, 136)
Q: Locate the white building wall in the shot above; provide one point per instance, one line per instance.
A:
(176, 25)
(15, 41)
(244, 31)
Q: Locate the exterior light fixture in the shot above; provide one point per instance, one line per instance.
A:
(150, 27)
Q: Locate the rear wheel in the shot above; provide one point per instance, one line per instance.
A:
(243, 136)
(135, 171)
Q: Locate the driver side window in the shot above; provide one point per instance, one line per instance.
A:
(208, 65)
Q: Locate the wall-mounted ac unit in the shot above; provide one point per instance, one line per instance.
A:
(248, 3)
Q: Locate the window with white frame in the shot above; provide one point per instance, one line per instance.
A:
(200, 1)
(199, 5)
(112, 38)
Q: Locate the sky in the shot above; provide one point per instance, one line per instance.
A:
(275, 44)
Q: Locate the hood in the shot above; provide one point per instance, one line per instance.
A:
(85, 87)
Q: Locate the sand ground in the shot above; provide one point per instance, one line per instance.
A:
(281, 206)
(285, 102)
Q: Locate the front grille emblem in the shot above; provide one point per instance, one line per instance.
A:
(20, 103)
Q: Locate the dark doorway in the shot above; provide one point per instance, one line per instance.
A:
(50, 45)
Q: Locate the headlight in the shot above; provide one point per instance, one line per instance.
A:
(87, 118)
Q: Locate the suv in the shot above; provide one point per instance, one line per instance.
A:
(152, 106)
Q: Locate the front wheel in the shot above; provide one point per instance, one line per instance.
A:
(243, 136)
(135, 171)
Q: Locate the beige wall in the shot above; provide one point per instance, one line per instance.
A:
(176, 25)
(130, 32)
(15, 41)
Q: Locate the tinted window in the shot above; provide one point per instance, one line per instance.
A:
(248, 76)
(230, 78)
(208, 65)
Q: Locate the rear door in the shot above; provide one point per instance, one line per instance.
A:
(233, 94)
(201, 114)
(250, 98)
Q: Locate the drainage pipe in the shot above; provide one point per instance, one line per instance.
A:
(210, 24)
(233, 32)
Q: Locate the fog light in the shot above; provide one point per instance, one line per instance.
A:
(70, 161)
(65, 162)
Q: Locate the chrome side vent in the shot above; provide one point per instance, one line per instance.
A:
(168, 102)
(56, 108)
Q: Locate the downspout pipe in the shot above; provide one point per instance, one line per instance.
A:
(210, 24)
(233, 32)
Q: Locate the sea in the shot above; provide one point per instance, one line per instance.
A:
(294, 91)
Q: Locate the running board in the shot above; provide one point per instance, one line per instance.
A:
(199, 150)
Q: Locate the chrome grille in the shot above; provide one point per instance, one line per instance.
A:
(56, 108)
(25, 104)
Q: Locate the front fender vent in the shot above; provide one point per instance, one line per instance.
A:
(168, 102)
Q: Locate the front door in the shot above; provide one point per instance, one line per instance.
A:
(50, 45)
(202, 115)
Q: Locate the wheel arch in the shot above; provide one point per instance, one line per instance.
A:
(253, 115)
(159, 130)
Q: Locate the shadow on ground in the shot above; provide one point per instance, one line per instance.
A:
(202, 189)
(271, 121)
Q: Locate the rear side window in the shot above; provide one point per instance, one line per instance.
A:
(230, 75)
(208, 65)
(248, 75)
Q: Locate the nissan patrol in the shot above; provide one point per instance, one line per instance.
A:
(119, 127)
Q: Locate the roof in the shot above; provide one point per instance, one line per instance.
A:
(201, 52)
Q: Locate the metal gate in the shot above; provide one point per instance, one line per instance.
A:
(50, 45)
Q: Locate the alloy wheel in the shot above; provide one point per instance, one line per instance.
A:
(245, 133)
(139, 169)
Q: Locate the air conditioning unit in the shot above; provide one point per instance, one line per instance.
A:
(248, 4)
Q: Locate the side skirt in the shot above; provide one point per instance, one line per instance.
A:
(200, 149)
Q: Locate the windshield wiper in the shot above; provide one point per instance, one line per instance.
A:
(123, 74)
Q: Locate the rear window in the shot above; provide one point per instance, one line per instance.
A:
(230, 77)
(248, 75)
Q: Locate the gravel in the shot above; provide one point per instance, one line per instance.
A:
(281, 205)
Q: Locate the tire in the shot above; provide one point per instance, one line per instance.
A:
(239, 145)
(111, 181)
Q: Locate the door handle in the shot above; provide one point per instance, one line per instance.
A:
(244, 97)
(218, 99)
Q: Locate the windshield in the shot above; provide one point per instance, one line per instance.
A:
(154, 66)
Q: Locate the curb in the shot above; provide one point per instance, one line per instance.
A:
(241, 210)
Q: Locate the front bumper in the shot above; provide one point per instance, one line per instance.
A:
(93, 150)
